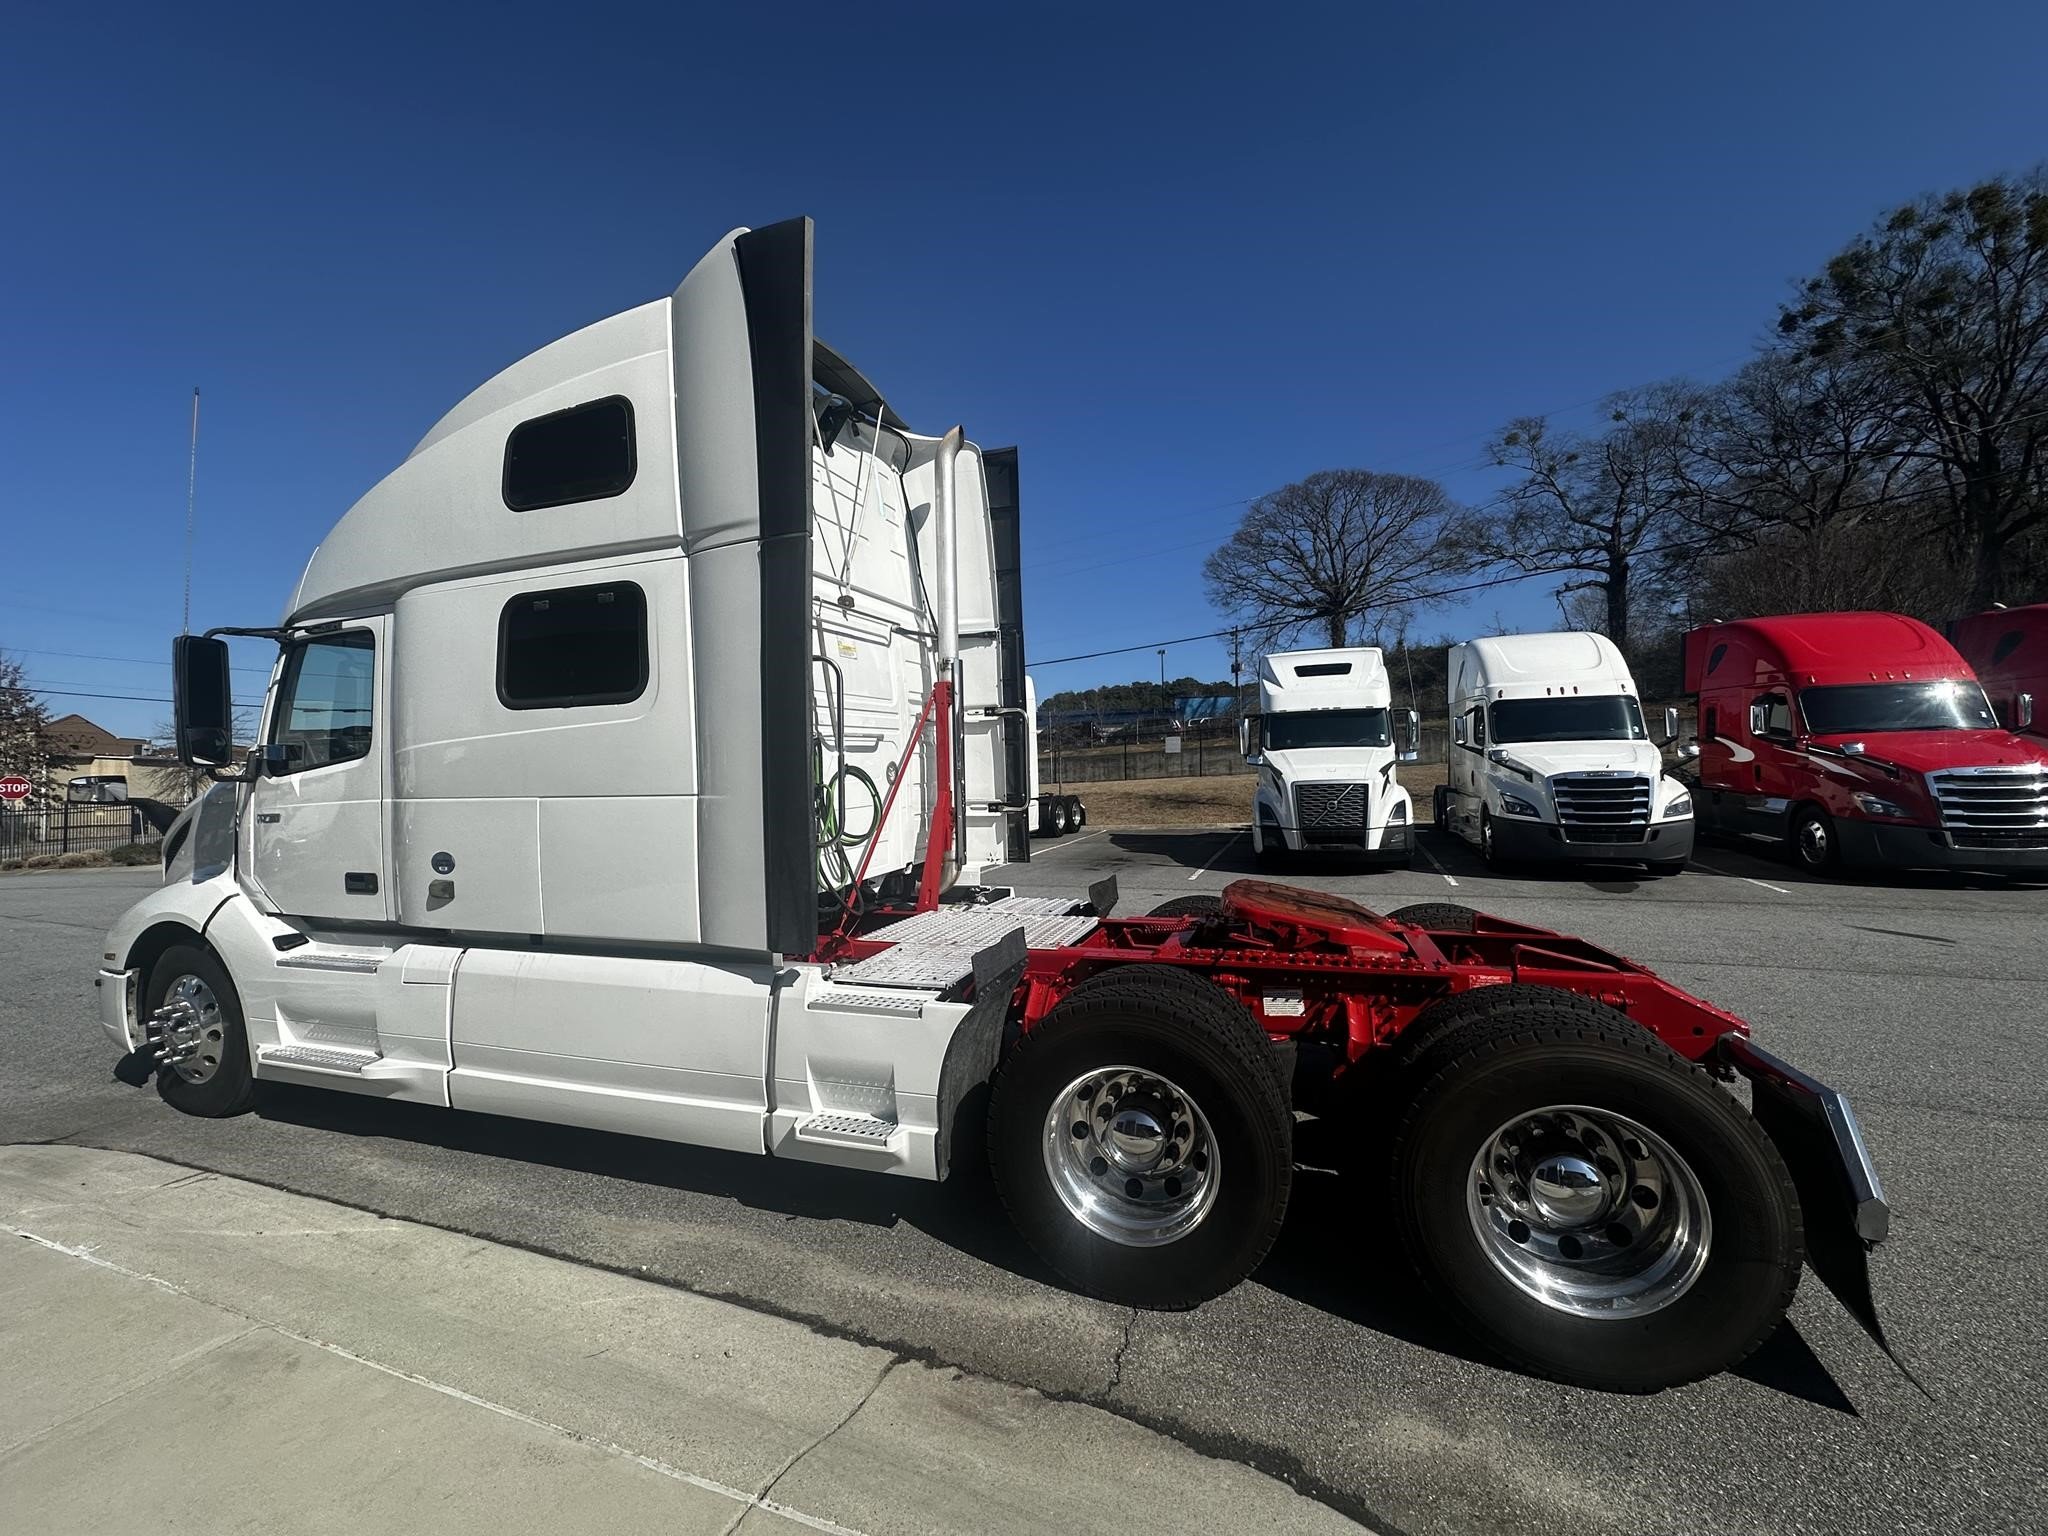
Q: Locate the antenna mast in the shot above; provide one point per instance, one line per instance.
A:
(191, 500)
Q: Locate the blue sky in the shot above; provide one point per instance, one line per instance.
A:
(1180, 255)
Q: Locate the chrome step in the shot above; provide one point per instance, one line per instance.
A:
(845, 1130)
(865, 1000)
(317, 1058)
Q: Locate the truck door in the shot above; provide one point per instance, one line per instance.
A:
(1770, 772)
(315, 832)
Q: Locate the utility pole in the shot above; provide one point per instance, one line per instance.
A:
(191, 500)
(1236, 668)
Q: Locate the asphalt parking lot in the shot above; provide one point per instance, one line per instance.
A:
(1920, 997)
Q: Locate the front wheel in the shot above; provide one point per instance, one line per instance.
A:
(207, 1070)
(1142, 1143)
(1487, 851)
(1593, 1207)
(1815, 848)
(1269, 844)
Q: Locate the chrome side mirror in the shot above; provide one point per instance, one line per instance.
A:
(1759, 717)
(1458, 732)
(1688, 751)
(2022, 711)
(1670, 723)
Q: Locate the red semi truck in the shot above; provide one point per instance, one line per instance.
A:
(2008, 650)
(1864, 739)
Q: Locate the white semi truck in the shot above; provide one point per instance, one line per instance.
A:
(629, 761)
(1552, 761)
(1323, 742)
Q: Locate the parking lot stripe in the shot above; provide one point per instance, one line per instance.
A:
(1729, 874)
(1232, 842)
(1039, 853)
(1419, 843)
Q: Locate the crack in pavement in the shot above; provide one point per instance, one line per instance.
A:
(761, 1494)
(1116, 1361)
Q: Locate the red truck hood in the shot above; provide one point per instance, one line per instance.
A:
(1930, 751)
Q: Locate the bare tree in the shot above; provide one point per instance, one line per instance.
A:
(1597, 507)
(1943, 306)
(1343, 545)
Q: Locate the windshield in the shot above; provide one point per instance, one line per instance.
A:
(1606, 717)
(1325, 728)
(1896, 707)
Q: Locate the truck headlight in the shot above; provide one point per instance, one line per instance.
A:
(1679, 805)
(1398, 814)
(1876, 805)
(1515, 805)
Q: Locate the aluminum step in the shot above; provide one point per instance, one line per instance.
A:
(364, 961)
(834, 1130)
(869, 999)
(317, 1058)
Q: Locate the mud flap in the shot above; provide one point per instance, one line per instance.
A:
(1816, 1133)
(976, 1045)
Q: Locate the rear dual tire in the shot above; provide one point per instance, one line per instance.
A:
(1586, 1203)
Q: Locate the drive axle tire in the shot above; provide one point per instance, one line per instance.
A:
(216, 1080)
(1591, 1206)
(1188, 906)
(1077, 813)
(1443, 916)
(1176, 1184)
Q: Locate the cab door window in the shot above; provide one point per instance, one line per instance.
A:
(325, 704)
(1777, 716)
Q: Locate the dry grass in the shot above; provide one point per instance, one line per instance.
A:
(1224, 800)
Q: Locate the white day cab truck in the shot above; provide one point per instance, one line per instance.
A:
(1323, 744)
(1551, 760)
(631, 760)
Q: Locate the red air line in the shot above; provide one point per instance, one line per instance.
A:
(889, 800)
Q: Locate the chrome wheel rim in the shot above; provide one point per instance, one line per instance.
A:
(1485, 835)
(192, 1018)
(1589, 1212)
(1131, 1156)
(1813, 841)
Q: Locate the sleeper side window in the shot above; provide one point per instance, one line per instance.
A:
(585, 453)
(325, 705)
(573, 646)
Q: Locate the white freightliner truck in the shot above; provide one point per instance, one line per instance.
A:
(629, 761)
(1323, 744)
(1551, 760)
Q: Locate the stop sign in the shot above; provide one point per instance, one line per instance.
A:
(14, 789)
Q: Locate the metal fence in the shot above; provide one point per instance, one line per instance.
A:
(67, 826)
(1200, 756)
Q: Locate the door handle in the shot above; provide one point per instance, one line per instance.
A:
(267, 817)
(358, 882)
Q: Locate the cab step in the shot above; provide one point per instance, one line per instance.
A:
(318, 1058)
(845, 1130)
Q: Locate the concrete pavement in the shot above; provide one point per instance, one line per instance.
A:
(188, 1351)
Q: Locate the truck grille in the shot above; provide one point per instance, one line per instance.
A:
(1329, 808)
(1993, 807)
(1602, 808)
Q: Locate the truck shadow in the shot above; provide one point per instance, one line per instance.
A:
(1751, 861)
(1359, 1278)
